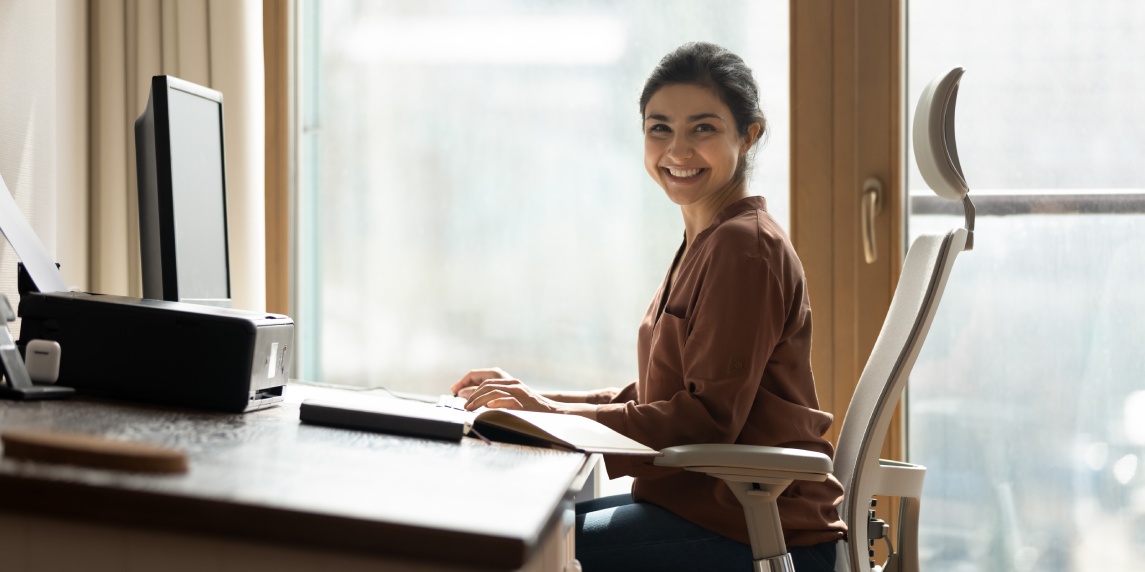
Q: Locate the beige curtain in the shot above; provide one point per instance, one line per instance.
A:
(216, 43)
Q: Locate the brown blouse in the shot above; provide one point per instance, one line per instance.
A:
(725, 357)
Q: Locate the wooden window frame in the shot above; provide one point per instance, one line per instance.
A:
(846, 126)
(276, 27)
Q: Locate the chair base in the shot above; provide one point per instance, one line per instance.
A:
(781, 563)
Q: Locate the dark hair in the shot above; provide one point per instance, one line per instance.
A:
(716, 68)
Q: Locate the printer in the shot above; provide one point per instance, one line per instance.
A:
(157, 351)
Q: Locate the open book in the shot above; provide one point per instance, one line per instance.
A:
(427, 420)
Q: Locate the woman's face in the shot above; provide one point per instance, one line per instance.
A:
(691, 146)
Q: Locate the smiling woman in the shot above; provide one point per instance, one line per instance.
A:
(701, 119)
(724, 349)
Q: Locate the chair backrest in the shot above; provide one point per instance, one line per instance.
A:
(924, 275)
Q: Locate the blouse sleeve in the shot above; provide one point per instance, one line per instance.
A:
(612, 395)
(734, 324)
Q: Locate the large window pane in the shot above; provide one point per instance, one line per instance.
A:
(1027, 402)
(473, 188)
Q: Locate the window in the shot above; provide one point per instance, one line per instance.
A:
(1027, 401)
(472, 185)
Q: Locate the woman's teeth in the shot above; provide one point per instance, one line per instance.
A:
(684, 173)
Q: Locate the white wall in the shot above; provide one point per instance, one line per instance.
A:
(43, 129)
(42, 106)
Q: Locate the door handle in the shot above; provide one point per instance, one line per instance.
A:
(872, 204)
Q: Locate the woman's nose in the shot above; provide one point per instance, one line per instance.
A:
(679, 148)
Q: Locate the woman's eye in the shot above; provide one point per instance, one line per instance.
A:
(659, 128)
(705, 127)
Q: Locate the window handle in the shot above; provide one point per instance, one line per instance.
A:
(872, 204)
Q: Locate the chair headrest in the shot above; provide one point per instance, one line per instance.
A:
(934, 147)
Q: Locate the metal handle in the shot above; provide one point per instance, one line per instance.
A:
(872, 204)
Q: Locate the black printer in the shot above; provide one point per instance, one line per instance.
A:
(163, 352)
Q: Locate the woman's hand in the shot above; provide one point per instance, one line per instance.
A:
(496, 389)
(470, 381)
(508, 393)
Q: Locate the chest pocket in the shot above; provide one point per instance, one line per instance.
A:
(666, 358)
(676, 320)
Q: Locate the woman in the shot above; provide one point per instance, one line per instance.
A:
(724, 350)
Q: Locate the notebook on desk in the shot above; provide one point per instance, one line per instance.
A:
(419, 419)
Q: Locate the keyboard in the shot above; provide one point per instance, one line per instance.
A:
(451, 402)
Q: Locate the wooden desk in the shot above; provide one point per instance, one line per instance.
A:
(267, 492)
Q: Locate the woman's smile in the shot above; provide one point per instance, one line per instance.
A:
(680, 173)
(683, 176)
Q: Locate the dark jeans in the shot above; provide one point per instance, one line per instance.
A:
(614, 533)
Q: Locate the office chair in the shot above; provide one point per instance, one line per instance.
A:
(758, 475)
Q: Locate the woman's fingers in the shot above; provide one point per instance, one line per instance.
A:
(490, 392)
(507, 386)
(504, 403)
(507, 394)
(476, 377)
(472, 378)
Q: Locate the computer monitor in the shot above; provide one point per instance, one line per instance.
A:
(182, 194)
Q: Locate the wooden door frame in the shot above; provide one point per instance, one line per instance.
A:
(847, 76)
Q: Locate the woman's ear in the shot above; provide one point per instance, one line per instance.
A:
(753, 132)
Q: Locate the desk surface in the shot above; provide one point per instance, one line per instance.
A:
(265, 476)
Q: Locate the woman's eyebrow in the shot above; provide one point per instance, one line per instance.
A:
(697, 117)
(700, 116)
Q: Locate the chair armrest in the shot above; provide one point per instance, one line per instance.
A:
(897, 479)
(747, 457)
(756, 475)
